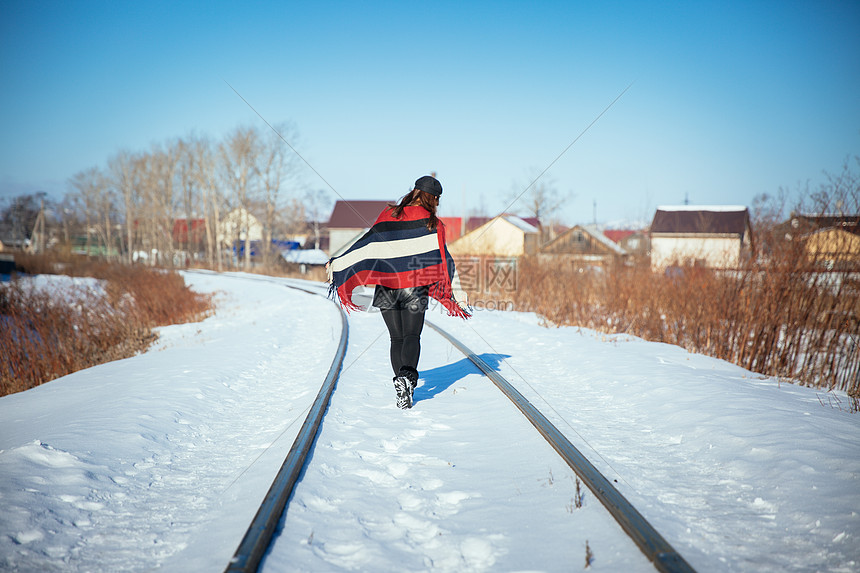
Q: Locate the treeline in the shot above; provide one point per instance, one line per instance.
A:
(138, 203)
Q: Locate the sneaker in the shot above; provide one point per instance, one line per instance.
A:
(404, 388)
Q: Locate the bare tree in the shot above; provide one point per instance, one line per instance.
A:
(211, 197)
(839, 196)
(19, 217)
(277, 168)
(239, 154)
(481, 209)
(769, 210)
(159, 201)
(193, 162)
(317, 204)
(96, 199)
(141, 194)
(124, 176)
(539, 198)
(215, 202)
(146, 227)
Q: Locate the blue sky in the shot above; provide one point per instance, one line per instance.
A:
(728, 100)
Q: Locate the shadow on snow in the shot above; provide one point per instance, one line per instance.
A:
(437, 380)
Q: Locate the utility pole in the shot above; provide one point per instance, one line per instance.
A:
(42, 226)
(37, 243)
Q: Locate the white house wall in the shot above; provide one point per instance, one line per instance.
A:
(712, 251)
(236, 225)
(337, 238)
(497, 238)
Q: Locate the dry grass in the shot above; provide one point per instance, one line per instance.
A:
(780, 319)
(45, 336)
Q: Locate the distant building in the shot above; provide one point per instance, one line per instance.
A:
(502, 236)
(583, 246)
(12, 240)
(189, 233)
(349, 220)
(617, 235)
(239, 225)
(716, 236)
(453, 227)
(634, 243)
(832, 242)
(799, 223)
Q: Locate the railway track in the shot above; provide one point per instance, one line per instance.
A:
(650, 542)
(259, 534)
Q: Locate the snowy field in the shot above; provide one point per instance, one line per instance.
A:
(158, 462)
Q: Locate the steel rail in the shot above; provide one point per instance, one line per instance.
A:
(650, 542)
(258, 537)
(259, 534)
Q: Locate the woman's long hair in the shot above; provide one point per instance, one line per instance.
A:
(418, 197)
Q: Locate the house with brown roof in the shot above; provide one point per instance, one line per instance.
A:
(831, 242)
(800, 223)
(583, 246)
(349, 220)
(717, 236)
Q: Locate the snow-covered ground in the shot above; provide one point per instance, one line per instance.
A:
(159, 461)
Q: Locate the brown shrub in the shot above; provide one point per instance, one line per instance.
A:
(45, 336)
(780, 318)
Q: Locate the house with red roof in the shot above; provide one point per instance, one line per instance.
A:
(189, 234)
(635, 243)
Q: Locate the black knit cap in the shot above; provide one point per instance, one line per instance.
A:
(429, 185)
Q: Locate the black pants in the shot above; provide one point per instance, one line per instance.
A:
(404, 327)
(403, 312)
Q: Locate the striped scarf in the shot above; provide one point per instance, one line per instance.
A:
(399, 253)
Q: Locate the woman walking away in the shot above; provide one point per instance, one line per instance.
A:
(405, 256)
